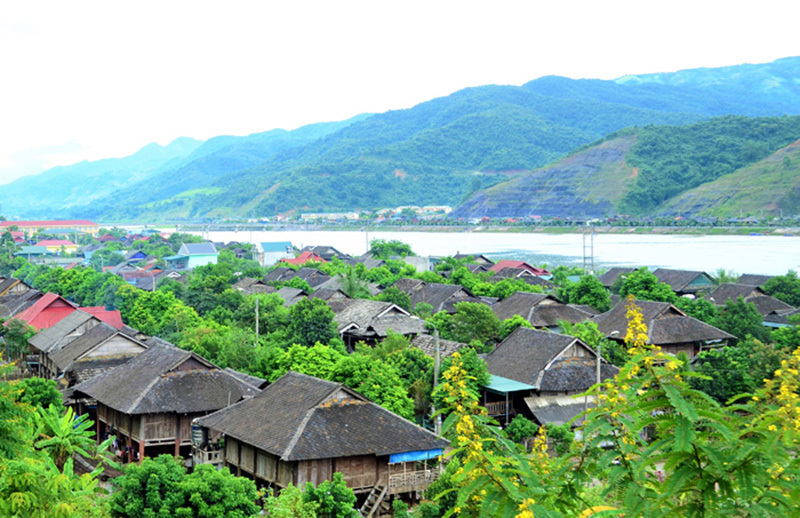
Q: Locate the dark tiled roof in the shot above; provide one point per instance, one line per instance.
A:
(781, 317)
(312, 276)
(575, 375)
(520, 303)
(678, 280)
(367, 313)
(11, 305)
(300, 417)
(152, 382)
(328, 294)
(726, 291)
(666, 324)
(247, 378)
(754, 279)
(766, 305)
(54, 337)
(610, 277)
(443, 297)
(291, 296)
(427, 344)
(408, 285)
(281, 273)
(549, 315)
(525, 353)
(70, 352)
(87, 369)
(7, 283)
(585, 308)
(523, 275)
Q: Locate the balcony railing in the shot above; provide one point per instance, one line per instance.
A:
(413, 480)
(201, 456)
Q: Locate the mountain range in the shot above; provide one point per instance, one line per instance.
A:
(640, 144)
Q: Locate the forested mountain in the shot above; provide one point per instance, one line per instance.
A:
(726, 166)
(86, 182)
(444, 150)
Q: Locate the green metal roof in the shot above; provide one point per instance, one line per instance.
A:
(505, 385)
(176, 257)
(33, 250)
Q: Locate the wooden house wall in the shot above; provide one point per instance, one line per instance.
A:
(358, 471)
(687, 347)
(191, 365)
(314, 471)
(116, 345)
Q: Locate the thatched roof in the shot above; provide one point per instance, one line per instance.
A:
(166, 379)
(359, 316)
(11, 305)
(575, 375)
(300, 417)
(666, 324)
(63, 358)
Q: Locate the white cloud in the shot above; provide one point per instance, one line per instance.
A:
(113, 77)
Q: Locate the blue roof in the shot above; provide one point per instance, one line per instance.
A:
(276, 246)
(501, 384)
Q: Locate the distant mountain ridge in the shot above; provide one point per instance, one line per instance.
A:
(444, 150)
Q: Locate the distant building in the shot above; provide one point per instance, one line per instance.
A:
(58, 245)
(32, 227)
(271, 253)
(192, 255)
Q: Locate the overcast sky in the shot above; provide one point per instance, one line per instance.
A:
(87, 80)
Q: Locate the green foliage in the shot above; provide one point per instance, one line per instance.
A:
(562, 437)
(475, 321)
(727, 373)
(352, 284)
(289, 504)
(590, 291)
(701, 309)
(741, 319)
(332, 497)
(643, 285)
(395, 296)
(39, 392)
(672, 160)
(511, 324)
(521, 428)
(378, 380)
(382, 249)
(15, 334)
(160, 487)
(311, 321)
(785, 288)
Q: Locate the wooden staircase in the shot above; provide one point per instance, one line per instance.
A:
(374, 502)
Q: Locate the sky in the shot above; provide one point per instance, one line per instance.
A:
(86, 80)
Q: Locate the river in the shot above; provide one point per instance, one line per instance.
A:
(772, 255)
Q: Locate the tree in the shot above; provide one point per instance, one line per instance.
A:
(61, 435)
(312, 321)
(160, 487)
(642, 284)
(16, 334)
(590, 291)
(511, 324)
(352, 285)
(785, 287)
(475, 321)
(333, 498)
(741, 319)
(520, 429)
(395, 296)
(39, 392)
(377, 380)
(289, 504)
(701, 309)
(727, 373)
(382, 249)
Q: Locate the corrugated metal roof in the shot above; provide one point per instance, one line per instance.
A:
(501, 384)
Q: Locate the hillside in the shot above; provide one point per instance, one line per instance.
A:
(721, 166)
(589, 183)
(86, 182)
(770, 186)
(440, 151)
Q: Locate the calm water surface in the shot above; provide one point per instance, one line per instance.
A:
(742, 254)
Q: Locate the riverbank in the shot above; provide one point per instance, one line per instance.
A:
(505, 229)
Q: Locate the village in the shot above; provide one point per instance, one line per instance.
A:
(290, 366)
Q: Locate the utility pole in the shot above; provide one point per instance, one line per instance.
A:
(437, 424)
(256, 319)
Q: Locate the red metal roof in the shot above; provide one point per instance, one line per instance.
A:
(304, 258)
(56, 242)
(518, 264)
(47, 311)
(112, 318)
